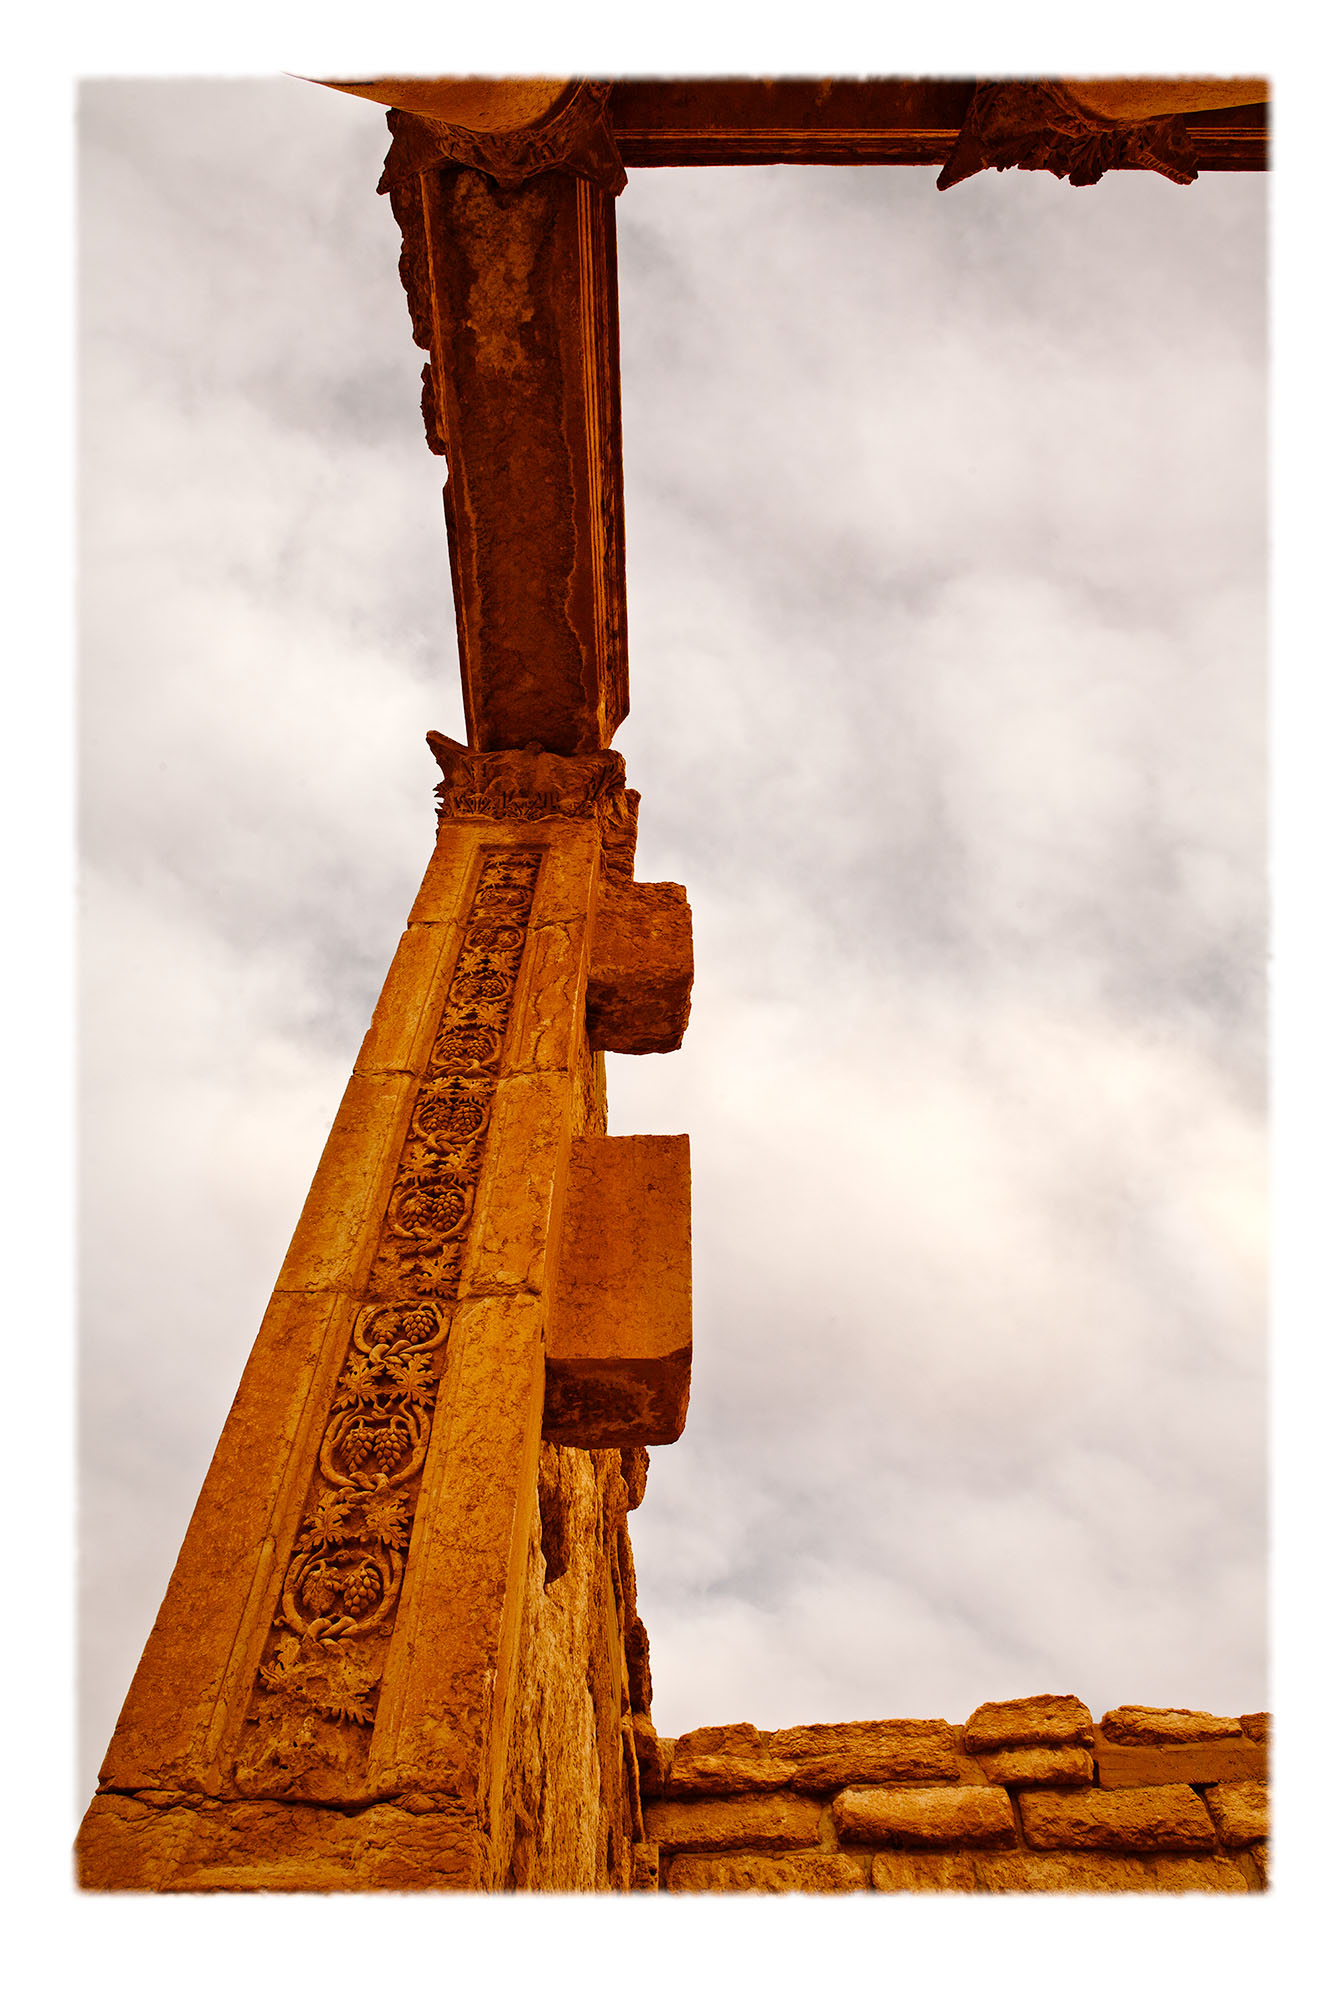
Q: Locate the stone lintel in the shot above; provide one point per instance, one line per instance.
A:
(512, 291)
(618, 1341)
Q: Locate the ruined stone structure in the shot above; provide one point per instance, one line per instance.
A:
(400, 1648)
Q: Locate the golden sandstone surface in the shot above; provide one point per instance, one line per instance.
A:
(400, 1648)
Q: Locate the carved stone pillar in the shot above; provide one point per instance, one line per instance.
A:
(509, 263)
(327, 1697)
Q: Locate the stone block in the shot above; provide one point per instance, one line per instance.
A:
(516, 1211)
(411, 1002)
(547, 1027)
(1034, 1719)
(936, 1816)
(709, 1826)
(1166, 1725)
(901, 1874)
(730, 1739)
(333, 1245)
(701, 1777)
(618, 1340)
(1046, 1764)
(1106, 1875)
(1232, 1760)
(1256, 1726)
(1151, 1817)
(195, 1672)
(644, 1868)
(924, 1748)
(1240, 1813)
(445, 890)
(774, 1875)
(641, 968)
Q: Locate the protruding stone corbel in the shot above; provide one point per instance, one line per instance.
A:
(618, 1335)
(640, 968)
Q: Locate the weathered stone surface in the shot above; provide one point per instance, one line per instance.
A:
(899, 1874)
(618, 1341)
(707, 1826)
(333, 1244)
(642, 968)
(1256, 1726)
(1106, 1874)
(1166, 1725)
(921, 1749)
(513, 294)
(775, 1875)
(1047, 1764)
(1039, 1718)
(411, 1001)
(725, 1739)
(516, 1201)
(702, 1777)
(1158, 1816)
(1228, 1761)
(644, 1868)
(1240, 1813)
(567, 1797)
(939, 1816)
(654, 1756)
(236, 1846)
(201, 1655)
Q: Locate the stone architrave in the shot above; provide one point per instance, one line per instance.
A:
(341, 1632)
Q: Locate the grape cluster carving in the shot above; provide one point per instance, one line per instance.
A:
(342, 1582)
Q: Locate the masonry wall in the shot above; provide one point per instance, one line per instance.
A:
(1029, 1796)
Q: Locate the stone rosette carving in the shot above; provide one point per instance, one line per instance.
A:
(528, 784)
(1040, 125)
(573, 138)
(316, 1691)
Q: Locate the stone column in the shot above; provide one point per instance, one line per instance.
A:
(327, 1697)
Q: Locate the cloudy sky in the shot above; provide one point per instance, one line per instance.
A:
(946, 524)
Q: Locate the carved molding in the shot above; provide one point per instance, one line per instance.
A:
(316, 1692)
(1040, 125)
(526, 784)
(575, 139)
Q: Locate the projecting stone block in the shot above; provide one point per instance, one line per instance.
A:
(1155, 1816)
(1038, 1718)
(940, 1816)
(1167, 1725)
(618, 1341)
(640, 969)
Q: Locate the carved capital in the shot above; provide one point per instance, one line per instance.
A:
(1042, 125)
(572, 136)
(527, 784)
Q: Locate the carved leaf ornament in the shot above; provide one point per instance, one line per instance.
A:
(316, 1693)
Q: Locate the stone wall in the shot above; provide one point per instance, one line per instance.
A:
(1029, 1796)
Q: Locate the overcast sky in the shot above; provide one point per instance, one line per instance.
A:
(946, 528)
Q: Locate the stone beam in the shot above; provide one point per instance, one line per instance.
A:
(509, 262)
(878, 121)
